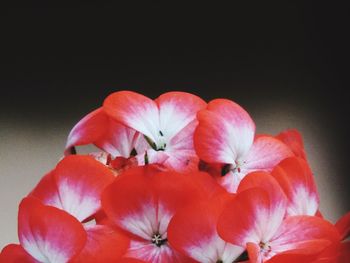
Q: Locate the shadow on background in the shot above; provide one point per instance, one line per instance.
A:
(285, 63)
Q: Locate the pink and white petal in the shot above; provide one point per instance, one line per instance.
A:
(192, 231)
(250, 217)
(49, 234)
(148, 252)
(293, 139)
(140, 144)
(265, 154)
(296, 179)
(182, 156)
(301, 232)
(225, 132)
(135, 111)
(176, 111)
(88, 130)
(269, 184)
(241, 125)
(14, 253)
(231, 180)
(184, 161)
(46, 191)
(211, 139)
(118, 139)
(76, 187)
(152, 157)
(103, 245)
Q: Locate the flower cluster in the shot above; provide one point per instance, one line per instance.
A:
(177, 180)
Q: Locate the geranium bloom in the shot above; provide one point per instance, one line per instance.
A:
(225, 135)
(75, 186)
(46, 234)
(166, 123)
(142, 201)
(193, 232)
(256, 220)
(145, 198)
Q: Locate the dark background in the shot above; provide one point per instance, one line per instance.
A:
(59, 63)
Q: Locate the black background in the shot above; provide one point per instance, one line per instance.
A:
(61, 61)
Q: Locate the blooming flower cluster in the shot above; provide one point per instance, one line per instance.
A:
(177, 180)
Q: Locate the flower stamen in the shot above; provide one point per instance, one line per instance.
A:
(158, 240)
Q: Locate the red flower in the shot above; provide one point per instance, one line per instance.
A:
(46, 234)
(225, 134)
(166, 123)
(193, 232)
(75, 186)
(142, 201)
(255, 219)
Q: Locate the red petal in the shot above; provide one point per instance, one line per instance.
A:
(225, 132)
(118, 139)
(343, 226)
(330, 254)
(344, 253)
(177, 110)
(207, 184)
(128, 197)
(296, 179)
(103, 245)
(266, 153)
(301, 232)
(254, 253)
(88, 129)
(174, 191)
(182, 156)
(266, 182)
(48, 233)
(250, 217)
(192, 231)
(135, 111)
(75, 186)
(99, 129)
(15, 254)
(297, 256)
(293, 139)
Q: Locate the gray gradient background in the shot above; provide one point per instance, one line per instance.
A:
(285, 63)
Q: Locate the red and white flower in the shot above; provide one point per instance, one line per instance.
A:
(226, 135)
(255, 219)
(142, 201)
(256, 202)
(75, 186)
(192, 231)
(166, 123)
(47, 234)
